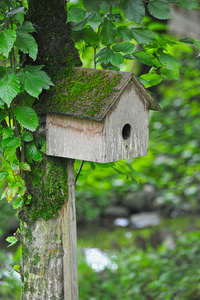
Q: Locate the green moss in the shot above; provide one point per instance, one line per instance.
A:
(47, 183)
(26, 287)
(36, 259)
(56, 49)
(85, 93)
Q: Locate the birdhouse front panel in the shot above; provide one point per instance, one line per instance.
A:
(126, 129)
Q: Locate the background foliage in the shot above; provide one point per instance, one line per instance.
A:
(111, 37)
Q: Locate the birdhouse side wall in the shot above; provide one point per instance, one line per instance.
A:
(126, 130)
(74, 138)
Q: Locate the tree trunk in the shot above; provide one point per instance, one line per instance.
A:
(42, 260)
(56, 49)
(48, 223)
(49, 251)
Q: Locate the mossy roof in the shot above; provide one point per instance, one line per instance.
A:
(90, 93)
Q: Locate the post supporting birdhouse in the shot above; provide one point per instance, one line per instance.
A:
(69, 238)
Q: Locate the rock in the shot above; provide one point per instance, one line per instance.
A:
(123, 222)
(117, 211)
(145, 219)
(140, 200)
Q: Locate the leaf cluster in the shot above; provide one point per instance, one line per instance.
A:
(19, 86)
(119, 31)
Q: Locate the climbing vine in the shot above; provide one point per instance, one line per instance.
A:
(20, 85)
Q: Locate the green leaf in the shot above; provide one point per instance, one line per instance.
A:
(91, 5)
(24, 2)
(10, 154)
(18, 13)
(104, 55)
(26, 99)
(7, 40)
(126, 47)
(166, 73)
(143, 35)
(31, 83)
(7, 133)
(94, 21)
(27, 117)
(33, 152)
(36, 71)
(27, 136)
(90, 36)
(11, 190)
(3, 175)
(187, 3)
(22, 189)
(24, 166)
(26, 43)
(104, 5)
(151, 79)
(16, 267)
(12, 143)
(168, 61)
(79, 25)
(27, 27)
(43, 144)
(116, 59)
(9, 88)
(18, 202)
(124, 33)
(147, 58)
(134, 174)
(191, 41)
(115, 3)
(93, 166)
(33, 68)
(2, 71)
(3, 115)
(15, 166)
(134, 10)
(196, 43)
(12, 240)
(159, 9)
(156, 26)
(108, 32)
(76, 14)
(34, 80)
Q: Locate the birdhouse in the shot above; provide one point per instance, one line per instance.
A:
(99, 116)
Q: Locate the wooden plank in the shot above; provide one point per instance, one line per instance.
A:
(69, 238)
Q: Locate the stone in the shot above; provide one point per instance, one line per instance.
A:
(141, 200)
(122, 222)
(117, 211)
(145, 219)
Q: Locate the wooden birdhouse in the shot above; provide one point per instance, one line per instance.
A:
(99, 116)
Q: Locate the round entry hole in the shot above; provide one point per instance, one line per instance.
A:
(126, 131)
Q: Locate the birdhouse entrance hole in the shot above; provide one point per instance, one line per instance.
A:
(126, 131)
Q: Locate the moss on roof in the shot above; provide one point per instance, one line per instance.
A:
(86, 93)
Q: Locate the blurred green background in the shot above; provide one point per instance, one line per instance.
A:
(162, 262)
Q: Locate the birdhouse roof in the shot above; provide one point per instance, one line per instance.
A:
(90, 93)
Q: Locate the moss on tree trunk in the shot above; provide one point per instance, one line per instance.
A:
(56, 49)
(41, 222)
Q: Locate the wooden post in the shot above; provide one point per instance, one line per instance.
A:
(69, 238)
